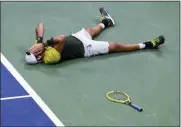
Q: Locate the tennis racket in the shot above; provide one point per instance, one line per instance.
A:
(121, 97)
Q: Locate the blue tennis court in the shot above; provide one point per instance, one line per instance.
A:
(18, 107)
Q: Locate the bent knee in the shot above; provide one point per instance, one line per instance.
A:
(115, 47)
(90, 31)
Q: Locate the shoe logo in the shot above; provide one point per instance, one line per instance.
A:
(157, 40)
(102, 16)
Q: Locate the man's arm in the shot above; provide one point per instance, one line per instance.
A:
(55, 40)
(39, 33)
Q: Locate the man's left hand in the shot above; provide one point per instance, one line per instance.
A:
(37, 49)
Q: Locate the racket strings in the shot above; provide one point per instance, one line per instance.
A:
(118, 96)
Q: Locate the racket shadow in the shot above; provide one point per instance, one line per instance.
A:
(46, 69)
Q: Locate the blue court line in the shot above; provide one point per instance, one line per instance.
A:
(20, 105)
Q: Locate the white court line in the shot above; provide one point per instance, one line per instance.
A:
(15, 97)
(32, 93)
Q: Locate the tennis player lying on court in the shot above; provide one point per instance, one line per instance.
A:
(81, 44)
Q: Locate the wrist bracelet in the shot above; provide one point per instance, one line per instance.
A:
(50, 42)
(40, 39)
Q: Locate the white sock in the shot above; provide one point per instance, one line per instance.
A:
(102, 25)
(142, 46)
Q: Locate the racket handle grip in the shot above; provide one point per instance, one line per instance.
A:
(136, 107)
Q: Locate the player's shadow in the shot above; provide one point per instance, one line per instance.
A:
(51, 70)
(54, 69)
(157, 52)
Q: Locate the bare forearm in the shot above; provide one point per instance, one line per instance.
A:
(40, 32)
(58, 40)
(50, 42)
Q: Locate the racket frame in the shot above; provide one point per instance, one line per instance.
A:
(127, 101)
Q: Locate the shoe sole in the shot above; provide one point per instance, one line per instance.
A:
(107, 14)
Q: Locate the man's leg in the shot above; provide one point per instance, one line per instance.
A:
(117, 47)
(94, 31)
(107, 21)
